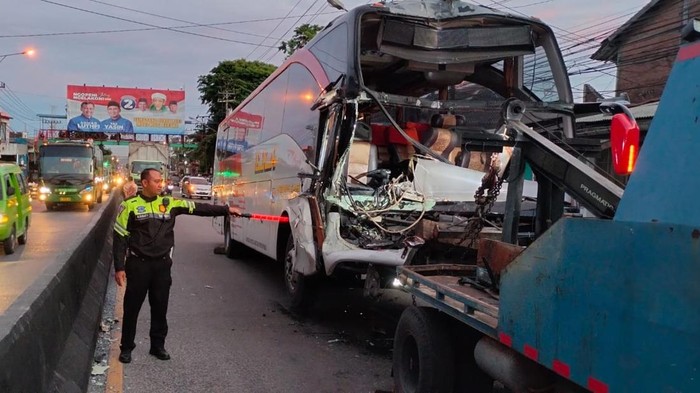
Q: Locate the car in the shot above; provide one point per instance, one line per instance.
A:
(15, 207)
(183, 181)
(195, 186)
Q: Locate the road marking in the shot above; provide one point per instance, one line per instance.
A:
(115, 373)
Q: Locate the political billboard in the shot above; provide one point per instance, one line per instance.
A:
(125, 110)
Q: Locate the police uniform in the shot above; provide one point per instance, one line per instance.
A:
(144, 237)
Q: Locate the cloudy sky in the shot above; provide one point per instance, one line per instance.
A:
(157, 44)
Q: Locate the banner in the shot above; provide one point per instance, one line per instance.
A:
(125, 110)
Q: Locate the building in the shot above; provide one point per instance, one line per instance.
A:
(644, 48)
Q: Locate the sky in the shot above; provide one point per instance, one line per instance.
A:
(130, 43)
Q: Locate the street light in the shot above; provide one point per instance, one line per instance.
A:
(29, 52)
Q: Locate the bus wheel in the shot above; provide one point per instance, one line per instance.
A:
(233, 248)
(11, 242)
(22, 239)
(301, 289)
(91, 206)
(50, 206)
(423, 353)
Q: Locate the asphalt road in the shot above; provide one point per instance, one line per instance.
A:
(50, 233)
(230, 330)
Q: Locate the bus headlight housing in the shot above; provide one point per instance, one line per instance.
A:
(45, 190)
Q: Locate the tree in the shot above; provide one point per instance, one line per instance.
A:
(238, 78)
(302, 35)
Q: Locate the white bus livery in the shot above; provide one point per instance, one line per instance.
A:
(364, 150)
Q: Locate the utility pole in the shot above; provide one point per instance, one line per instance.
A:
(226, 100)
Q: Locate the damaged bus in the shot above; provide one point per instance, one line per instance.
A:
(380, 143)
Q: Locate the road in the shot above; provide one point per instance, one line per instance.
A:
(50, 232)
(230, 330)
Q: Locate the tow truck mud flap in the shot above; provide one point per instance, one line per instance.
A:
(302, 230)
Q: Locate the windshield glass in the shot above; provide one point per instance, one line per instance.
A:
(66, 165)
(138, 167)
(198, 180)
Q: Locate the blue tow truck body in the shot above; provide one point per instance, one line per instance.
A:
(601, 305)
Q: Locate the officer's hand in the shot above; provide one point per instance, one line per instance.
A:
(234, 211)
(120, 277)
(129, 189)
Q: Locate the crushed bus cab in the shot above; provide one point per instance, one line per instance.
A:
(390, 164)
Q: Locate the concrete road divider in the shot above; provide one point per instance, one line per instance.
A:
(48, 334)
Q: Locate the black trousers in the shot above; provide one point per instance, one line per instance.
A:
(152, 276)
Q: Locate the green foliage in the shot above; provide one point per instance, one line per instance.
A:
(238, 78)
(302, 35)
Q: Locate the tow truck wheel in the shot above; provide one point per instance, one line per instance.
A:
(423, 353)
(301, 289)
(22, 239)
(11, 242)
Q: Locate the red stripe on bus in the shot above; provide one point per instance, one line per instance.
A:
(597, 386)
(561, 368)
(531, 352)
(688, 52)
(505, 339)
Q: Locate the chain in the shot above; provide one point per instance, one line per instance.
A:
(484, 203)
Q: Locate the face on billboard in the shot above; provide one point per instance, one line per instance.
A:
(113, 111)
(158, 103)
(88, 110)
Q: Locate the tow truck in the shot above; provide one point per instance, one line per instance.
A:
(605, 304)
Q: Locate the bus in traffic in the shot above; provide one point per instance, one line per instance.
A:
(70, 173)
(364, 150)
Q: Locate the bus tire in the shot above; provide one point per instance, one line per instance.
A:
(22, 239)
(11, 242)
(300, 288)
(233, 248)
(423, 353)
(91, 206)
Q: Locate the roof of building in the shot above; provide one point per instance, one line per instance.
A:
(645, 111)
(610, 46)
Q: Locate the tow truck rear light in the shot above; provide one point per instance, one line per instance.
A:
(624, 143)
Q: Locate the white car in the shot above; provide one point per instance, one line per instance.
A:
(196, 187)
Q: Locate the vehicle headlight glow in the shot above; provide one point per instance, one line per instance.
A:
(4, 218)
(45, 190)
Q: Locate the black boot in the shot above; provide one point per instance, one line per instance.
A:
(125, 356)
(160, 353)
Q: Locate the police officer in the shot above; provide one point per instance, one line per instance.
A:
(144, 237)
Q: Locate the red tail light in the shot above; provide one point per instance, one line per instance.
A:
(624, 143)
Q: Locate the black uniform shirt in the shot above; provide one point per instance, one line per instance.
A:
(145, 225)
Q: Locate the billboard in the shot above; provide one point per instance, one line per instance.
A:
(125, 110)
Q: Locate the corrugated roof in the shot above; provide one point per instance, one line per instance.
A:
(608, 49)
(645, 111)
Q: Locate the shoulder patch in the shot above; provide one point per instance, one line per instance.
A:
(121, 209)
(140, 209)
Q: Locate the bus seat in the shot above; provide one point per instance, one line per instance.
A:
(440, 139)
